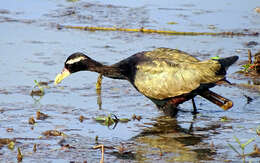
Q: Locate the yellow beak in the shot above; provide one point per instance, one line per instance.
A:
(65, 73)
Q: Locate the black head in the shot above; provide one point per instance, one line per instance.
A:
(77, 62)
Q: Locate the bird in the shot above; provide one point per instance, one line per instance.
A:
(168, 77)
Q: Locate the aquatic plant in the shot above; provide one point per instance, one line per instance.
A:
(19, 155)
(247, 67)
(108, 120)
(252, 66)
(242, 147)
(258, 130)
(39, 92)
(39, 86)
(144, 30)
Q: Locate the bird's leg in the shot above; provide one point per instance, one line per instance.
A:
(194, 107)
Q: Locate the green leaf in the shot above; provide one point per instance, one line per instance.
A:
(109, 121)
(172, 23)
(246, 67)
(39, 86)
(100, 119)
(248, 142)
(237, 140)
(72, 0)
(124, 120)
(234, 149)
(224, 119)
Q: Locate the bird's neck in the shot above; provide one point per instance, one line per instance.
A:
(108, 71)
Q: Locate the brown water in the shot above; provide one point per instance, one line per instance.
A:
(32, 48)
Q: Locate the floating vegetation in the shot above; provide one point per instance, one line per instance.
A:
(41, 116)
(19, 155)
(172, 23)
(251, 70)
(72, 0)
(252, 67)
(242, 147)
(11, 145)
(53, 133)
(39, 92)
(124, 120)
(143, 30)
(136, 117)
(5, 141)
(31, 121)
(249, 67)
(108, 120)
(225, 119)
(81, 118)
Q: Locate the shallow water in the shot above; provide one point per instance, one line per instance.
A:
(32, 48)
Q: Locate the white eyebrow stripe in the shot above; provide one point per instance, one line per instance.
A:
(71, 61)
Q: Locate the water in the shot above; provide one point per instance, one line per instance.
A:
(32, 48)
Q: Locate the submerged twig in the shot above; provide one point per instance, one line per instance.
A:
(143, 30)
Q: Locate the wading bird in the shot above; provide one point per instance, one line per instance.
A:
(166, 76)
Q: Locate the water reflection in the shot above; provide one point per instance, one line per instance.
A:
(166, 140)
(98, 91)
(99, 99)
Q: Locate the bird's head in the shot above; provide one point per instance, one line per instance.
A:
(74, 63)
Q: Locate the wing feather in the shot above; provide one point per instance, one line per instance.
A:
(163, 77)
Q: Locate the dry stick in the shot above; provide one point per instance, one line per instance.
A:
(155, 31)
(102, 150)
(249, 57)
